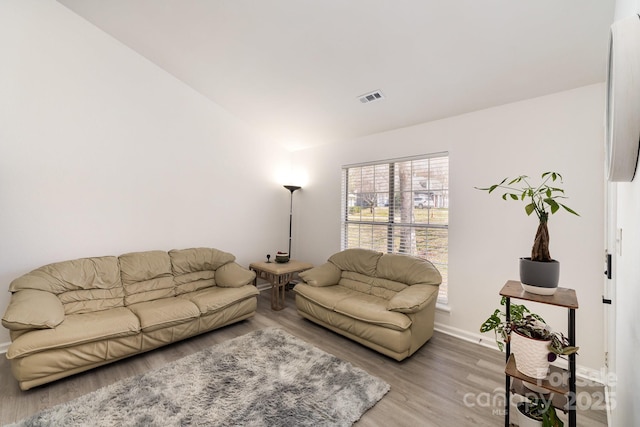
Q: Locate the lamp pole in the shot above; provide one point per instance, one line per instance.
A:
(291, 188)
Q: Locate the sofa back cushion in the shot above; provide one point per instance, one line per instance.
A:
(382, 275)
(195, 268)
(407, 269)
(375, 286)
(82, 285)
(146, 276)
(363, 261)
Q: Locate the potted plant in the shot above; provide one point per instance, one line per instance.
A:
(539, 273)
(537, 412)
(533, 343)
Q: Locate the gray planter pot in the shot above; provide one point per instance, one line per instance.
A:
(539, 278)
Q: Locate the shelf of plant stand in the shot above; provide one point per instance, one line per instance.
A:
(559, 401)
(554, 372)
(563, 297)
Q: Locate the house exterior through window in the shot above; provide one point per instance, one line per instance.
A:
(399, 206)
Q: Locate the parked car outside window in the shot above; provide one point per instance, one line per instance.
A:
(422, 202)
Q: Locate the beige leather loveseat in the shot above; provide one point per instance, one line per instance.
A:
(72, 316)
(383, 301)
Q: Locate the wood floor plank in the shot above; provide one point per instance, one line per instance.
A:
(447, 382)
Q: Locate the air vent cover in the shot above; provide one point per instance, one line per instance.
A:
(372, 96)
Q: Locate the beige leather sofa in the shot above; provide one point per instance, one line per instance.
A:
(383, 301)
(72, 316)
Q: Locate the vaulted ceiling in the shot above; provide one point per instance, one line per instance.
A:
(294, 69)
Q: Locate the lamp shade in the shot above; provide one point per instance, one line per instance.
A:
(292, 188)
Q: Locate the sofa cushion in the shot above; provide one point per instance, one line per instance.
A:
(363, 261)
(198, 259)
(214, 299)
(32, 309)
(116, 322)
(371, 309)
(232, 275)
(407, 269)
(413, 298)
(190, 282)
(385, 288)
(376, 286)
(195, 268)
(86, 300)
(164, 312)
(146, 276)
(83, 285)
(325, 296)
(324, 275)
(365, 333)
(356, 281)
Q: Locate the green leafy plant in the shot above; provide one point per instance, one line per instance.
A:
(529, 324)
(541, 410)
(543, 199)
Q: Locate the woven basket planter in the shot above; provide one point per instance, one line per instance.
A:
(531, 355)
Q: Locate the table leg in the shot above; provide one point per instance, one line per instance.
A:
(278, 288)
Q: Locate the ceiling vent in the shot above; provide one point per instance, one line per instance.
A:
(372, 96)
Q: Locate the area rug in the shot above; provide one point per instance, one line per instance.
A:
(265, 378)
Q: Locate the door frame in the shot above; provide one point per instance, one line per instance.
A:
(613, 248)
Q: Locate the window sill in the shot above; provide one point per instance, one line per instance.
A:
(443, 306)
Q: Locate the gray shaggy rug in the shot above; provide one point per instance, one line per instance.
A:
(264, 378)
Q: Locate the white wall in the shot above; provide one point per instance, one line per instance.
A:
(626, 377)
(561, 132)
(102, 153)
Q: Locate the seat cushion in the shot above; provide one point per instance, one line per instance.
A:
(211, 300)
(325, 296)
(372, 309)
(164, 312)
(75, 329)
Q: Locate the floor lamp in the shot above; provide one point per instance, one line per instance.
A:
(291, 188)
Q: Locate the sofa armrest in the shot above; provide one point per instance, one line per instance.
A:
(324, 275)
(33, 309)
(233, 275)
(412, 299)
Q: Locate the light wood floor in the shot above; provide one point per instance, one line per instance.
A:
(448, 382)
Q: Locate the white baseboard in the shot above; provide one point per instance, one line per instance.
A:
(582, 372)
(4, 347)
(263, 286)
(483, 340)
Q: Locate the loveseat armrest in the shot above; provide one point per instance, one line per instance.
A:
(233, 275)
(323, 275)
(412, 299)
(33, 309)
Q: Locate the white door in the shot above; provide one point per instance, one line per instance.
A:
(613, 242)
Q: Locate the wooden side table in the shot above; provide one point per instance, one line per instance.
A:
(278, 274)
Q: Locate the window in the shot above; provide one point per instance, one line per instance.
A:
(399, 206)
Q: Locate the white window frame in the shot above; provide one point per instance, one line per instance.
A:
(377, 195)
